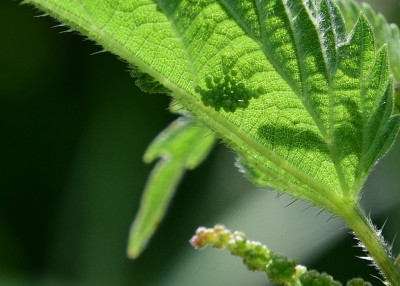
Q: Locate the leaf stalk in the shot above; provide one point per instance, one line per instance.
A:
(372, 241)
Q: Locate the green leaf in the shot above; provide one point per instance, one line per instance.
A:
(384, 32)
(182, 146)
(307, 107)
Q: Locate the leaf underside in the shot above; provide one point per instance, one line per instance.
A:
(322, 113)
(383, 31)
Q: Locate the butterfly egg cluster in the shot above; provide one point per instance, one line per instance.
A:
(227, 92)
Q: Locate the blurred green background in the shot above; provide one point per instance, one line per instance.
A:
(73, 130)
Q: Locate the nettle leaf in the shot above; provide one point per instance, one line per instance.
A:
(308, 107)
(182, 146)
(383, 31)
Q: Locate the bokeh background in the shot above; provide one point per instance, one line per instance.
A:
(73, 128)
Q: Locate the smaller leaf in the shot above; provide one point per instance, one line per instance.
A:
(183, 145)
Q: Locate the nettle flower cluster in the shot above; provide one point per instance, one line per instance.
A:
(257, 257)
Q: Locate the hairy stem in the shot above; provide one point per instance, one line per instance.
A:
(372, 241)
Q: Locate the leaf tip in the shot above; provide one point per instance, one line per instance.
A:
(134, 247)
(133, 254)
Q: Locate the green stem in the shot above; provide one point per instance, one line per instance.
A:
(372, 241)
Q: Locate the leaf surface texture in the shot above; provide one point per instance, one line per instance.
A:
(320, 107)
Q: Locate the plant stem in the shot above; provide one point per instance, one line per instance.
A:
(373, 242)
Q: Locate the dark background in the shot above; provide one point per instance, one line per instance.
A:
(73, 130)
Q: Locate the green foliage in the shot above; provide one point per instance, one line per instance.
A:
(181, 146)
(308, 107)
(384, 32)
(326, 115)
